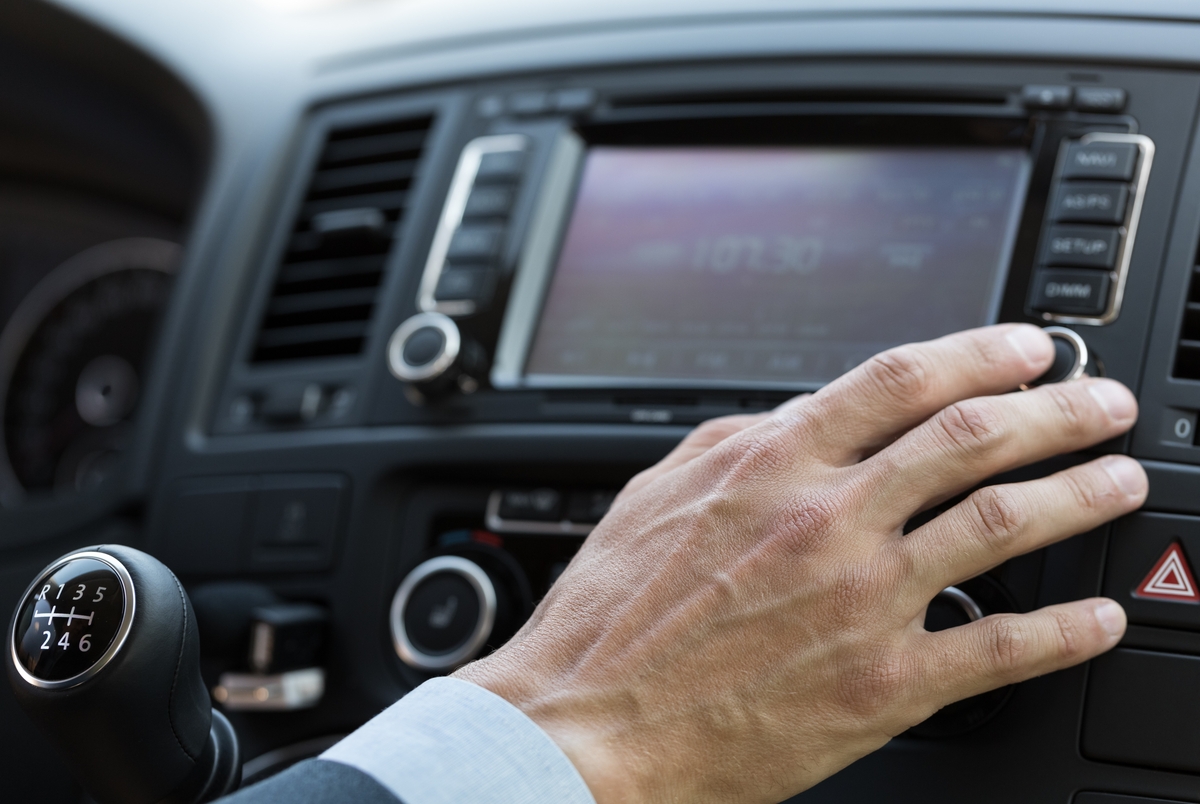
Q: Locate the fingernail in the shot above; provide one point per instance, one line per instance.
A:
(1127, 474)
(1111, 618)
(1115, 398)
(1032, 345)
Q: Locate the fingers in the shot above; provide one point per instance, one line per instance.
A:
(706, 436)
(998, 522)
(891, 392)
(972, 440)
(1006, 648)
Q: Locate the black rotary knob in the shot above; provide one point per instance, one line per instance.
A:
(451, 608)
(104, 657)
(424, 349)
(951, 608)
(956, 607)
(1071, 357)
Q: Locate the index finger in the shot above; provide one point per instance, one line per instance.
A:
(895, 390)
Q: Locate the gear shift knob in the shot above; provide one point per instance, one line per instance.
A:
(104, 657)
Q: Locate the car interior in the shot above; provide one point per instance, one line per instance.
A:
(357, 314)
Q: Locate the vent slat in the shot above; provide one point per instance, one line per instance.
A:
(313, 334)
(327, 284)
(362, 176)
(326, 270)
(405, 142)
(1187, 353)
(329, 300)
(393, 201)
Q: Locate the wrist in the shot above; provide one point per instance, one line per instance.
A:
(588, 736)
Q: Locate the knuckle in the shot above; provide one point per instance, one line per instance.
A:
(1073, 414)
(875, 683)
(1069, 639)
(751, 455)
(1085, 495)
(903, 372)
(972, 425)
(1009, 643)
(999, 516)
(806, 521)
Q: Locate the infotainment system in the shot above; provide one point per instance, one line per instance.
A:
(729, 260)
(777, 266)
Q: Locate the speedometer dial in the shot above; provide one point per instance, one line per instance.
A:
(71, 364)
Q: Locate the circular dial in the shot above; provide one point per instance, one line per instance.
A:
(443, 613)
(72, 620)
(71, 360)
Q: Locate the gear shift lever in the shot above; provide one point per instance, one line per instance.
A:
(104, 657)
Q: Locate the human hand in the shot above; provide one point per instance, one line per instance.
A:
(750, 620)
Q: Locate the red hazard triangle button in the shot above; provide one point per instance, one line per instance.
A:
(1171, 579)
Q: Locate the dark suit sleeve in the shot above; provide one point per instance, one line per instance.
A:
(316, 781)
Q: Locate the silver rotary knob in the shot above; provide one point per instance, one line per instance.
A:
(443, 613)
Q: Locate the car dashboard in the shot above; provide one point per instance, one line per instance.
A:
(326, 304)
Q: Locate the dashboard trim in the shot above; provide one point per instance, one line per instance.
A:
(452, 215)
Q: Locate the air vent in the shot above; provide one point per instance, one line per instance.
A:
(329, 276)
(1187, 358)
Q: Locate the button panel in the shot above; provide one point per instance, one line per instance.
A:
(546, 510)
(1091, 222)
(466, 256)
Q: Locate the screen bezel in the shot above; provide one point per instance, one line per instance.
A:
(560, 186)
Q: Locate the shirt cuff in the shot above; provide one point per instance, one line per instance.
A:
(450, 742)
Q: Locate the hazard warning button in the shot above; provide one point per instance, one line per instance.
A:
(1150, 568)
(1170, 579)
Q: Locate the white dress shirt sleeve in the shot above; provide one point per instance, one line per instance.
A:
(453, 742)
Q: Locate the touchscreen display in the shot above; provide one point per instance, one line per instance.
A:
(771, 266)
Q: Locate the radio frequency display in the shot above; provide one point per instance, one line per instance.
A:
(772, 265)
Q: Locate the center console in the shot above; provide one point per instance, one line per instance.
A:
(483, 307)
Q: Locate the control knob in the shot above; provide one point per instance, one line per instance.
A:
(954, 607)
(450, 608)
(428, 351)
(1071, 358)
(104, 657)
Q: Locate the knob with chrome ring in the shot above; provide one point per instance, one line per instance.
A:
(1071, 358)
(452, 607)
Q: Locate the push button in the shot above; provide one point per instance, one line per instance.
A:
(1151, 569)
(1090, 202)
(1071, 292)
(1083, 246)
(500, 165)
(489, 202)
(1142, 709)
(475, 243)
(466, 284)
(1100, 99)
(536, 505)
(1039, 96)
(1100, 160)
